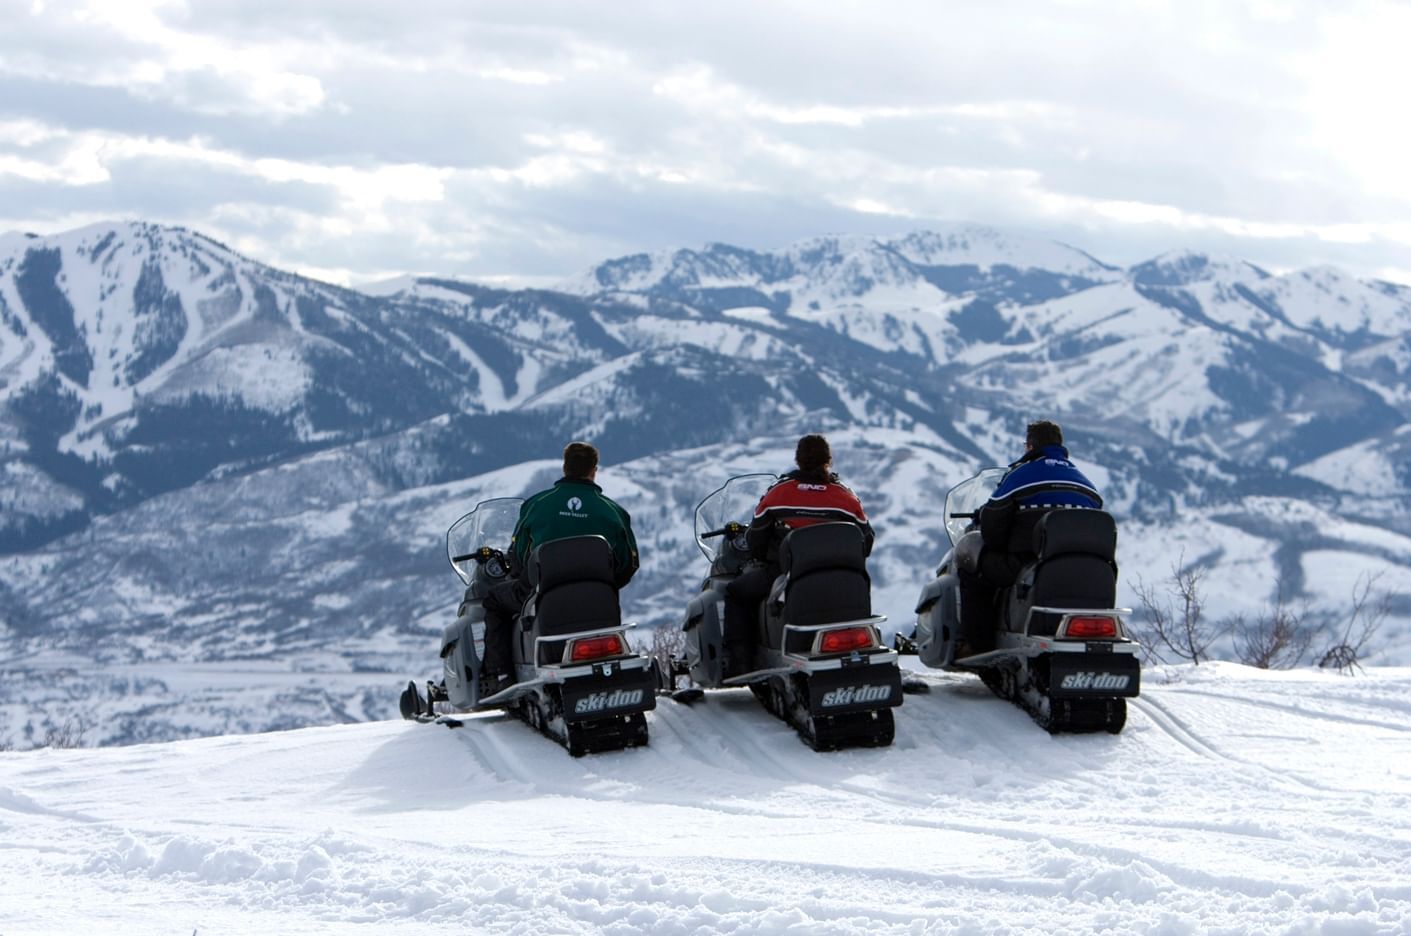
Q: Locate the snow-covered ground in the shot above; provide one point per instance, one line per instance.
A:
(1236, 801)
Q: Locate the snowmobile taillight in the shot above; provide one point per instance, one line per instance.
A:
(845, 639)
(595, 648)
(1090, 628)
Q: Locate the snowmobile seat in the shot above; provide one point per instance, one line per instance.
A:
(574, 589)
(1076, 565)
(826, 580)
(1076, 530)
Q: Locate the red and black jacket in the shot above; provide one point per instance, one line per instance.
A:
(801, 498)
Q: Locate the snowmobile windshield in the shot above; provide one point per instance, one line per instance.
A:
(490, 525)
(732, 502)
(967, 497)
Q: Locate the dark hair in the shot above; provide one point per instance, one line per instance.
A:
(1043, 433)
(579, 460)
(812, 453)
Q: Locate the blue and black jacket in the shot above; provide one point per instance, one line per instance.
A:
(1042, 480)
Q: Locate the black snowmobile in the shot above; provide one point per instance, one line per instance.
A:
(578, 680)
(816, 657)
(1058, 648)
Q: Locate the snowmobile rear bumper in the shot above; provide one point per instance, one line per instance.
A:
(601, 709)
(855, 686)
(615, 687)
(836, 702)
(1094, 675)
(592, 708)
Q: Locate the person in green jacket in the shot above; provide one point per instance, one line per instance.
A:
(574, 506)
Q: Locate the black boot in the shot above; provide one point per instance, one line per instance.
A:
(492, 683)
(977, 619)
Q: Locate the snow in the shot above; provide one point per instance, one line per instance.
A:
(574, 387)
(745, 342)
(985, 247)
(1327, 298)
(759, 315)
(842, 262)
(391, 286)
(269, 377)
(1236, 801)
(1188, 267)
(492, 389)
(24, 490)
(1361, 469)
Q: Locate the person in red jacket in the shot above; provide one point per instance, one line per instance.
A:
(810, 494)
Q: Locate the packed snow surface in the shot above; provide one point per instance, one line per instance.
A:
(1236, 801)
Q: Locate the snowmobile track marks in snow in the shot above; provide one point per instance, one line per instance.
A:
(1176, 729)
(1303, 712)
(1173, 728)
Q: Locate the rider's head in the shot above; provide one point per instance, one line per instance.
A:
(1043, 433)
(813, 454)
(580, 461)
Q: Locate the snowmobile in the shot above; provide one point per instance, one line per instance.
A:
(1058, 648)
(578, 680)
(816, 657)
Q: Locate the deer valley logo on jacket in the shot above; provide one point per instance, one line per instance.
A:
(575, 508)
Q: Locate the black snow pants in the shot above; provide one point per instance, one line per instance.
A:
(502, 608)
(979, 592)
(743, 597)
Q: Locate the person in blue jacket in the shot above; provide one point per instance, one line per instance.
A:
(1043, 479)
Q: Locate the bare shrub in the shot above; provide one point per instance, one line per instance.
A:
(1368, 611)
(668, 643)
(1175, 616)
(1276, 639)
(68, 735)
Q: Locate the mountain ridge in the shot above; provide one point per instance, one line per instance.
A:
(267, 486)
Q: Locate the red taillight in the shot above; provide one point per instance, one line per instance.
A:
(844, 639)
(1088, 628)
(595, 648)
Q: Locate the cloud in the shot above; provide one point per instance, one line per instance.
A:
(127, 44)
(498, 139)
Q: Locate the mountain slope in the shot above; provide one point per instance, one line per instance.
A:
(210, 465)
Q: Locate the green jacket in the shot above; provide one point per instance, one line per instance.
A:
(575, 507)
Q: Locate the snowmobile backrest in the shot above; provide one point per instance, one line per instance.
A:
(827, 579)
(1075, 567)
(1074, 580)
(572, 559)
(823, 546)
(574, 588)
(1061, 531)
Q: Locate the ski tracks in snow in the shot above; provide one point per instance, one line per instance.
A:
(1223, 807)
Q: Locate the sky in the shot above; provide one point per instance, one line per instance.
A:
(523, 142)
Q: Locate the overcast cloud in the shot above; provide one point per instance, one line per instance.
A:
(358, 139)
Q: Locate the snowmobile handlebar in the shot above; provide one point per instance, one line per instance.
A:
(482, 555)
(732, 528)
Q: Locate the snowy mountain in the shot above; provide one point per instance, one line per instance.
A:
(225, 485)
(1236, 801)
